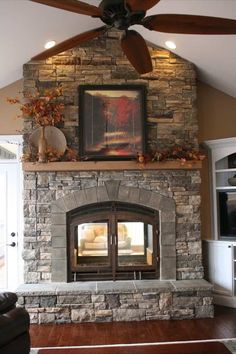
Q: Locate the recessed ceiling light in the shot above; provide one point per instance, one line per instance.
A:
(170, 44)
(49, 44)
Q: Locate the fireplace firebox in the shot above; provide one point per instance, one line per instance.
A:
(113, 241)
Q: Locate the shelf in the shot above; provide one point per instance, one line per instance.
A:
(226, 170)
(108, 165)
(226, 188)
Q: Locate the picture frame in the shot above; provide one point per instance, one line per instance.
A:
(111, 122)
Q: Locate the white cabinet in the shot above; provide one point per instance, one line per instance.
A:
(220, 266)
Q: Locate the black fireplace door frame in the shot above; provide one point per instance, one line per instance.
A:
(114, 265)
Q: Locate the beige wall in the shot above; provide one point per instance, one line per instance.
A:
(9, 123)
(216, 113)
(217, 120)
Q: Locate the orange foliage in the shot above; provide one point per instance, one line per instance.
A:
(44, 109)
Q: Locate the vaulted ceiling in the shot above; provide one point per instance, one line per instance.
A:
(25, 27)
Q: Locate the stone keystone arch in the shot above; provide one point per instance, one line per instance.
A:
(113, 191)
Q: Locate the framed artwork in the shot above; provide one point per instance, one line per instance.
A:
(111, 121)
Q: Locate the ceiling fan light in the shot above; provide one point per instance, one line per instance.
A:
(170, 44)
(49, 44)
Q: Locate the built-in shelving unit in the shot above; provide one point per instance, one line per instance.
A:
(223, 173)
(220, 251)
(109, 165)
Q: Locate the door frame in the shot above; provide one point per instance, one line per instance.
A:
(17, 139)
(111, 215)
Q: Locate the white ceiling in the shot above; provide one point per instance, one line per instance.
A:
(25, 27)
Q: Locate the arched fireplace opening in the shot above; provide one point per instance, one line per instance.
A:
(113, 241)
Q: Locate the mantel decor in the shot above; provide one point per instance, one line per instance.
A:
(44, 109)
(112, 121)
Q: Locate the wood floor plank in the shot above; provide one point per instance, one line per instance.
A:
(193, 348)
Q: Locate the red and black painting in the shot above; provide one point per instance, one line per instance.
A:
(111, 121)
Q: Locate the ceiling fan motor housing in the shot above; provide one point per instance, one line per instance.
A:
(117, 14)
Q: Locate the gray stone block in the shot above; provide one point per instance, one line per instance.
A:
(168, 268)
(58, 219)
(155, 201)
(70, 202)
(167, 239)
(134, 195)
(112, 189)
(98, 298)
(167, 204)
(205, 311)
(144, 197)
(167, 228)
(168, 251)
(82, 315)
(112, 301)
(91, 195)
(58, 206)
(47, 301)
(58, 230)
(46, 318)
(59, 242)
(123, 194)
(59, 270)
(168, 216)
(192, 284)
(128, 315)
(165, 301)
(59, 253)
(80, 198)
(73, 299)
(102, 194)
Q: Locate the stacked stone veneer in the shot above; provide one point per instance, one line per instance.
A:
(171, 119)
(171, 88)
(116, 301)
(178, 190)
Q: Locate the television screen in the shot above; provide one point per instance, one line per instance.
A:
(227, 213)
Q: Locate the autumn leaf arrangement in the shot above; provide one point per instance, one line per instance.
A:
(44, 109)
(183, 154)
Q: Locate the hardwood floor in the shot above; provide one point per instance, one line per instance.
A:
(222, 326)
(195, 348)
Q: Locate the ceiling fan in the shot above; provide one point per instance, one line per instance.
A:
(122, 14)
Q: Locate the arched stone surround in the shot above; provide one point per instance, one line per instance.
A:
(114, 191)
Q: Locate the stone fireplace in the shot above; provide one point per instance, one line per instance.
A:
(54, 194)
(114, 192)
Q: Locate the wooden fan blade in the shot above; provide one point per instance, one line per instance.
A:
(70, 43)
(190, 24)
(141, 5)
(136, 50)
(79, 7)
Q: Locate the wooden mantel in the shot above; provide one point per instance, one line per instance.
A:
(108, 165)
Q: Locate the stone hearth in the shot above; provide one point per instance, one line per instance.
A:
(116, 301)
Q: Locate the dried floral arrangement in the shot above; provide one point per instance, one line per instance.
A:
(182, 154)
(44, 108)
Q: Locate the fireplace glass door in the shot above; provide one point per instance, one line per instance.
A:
(113, 241)
(92, 244)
